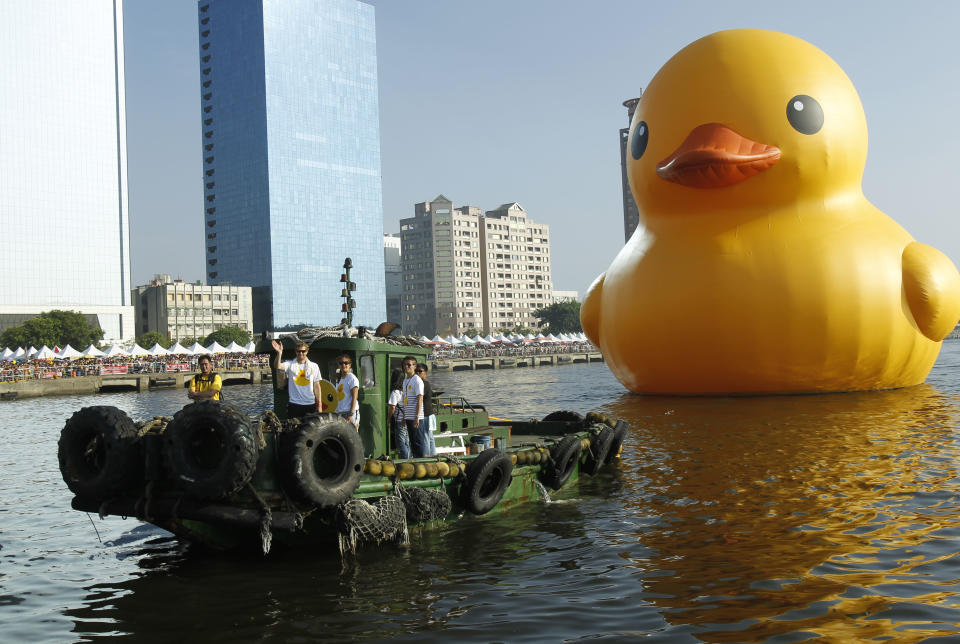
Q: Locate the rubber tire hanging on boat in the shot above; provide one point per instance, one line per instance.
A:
(599, 449)
(321, 460)
(563, 415)
(210, 449)
(619, 433)
(488, 476)
(99, 453)
(563, 459)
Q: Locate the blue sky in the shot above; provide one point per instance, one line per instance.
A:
(520, 100)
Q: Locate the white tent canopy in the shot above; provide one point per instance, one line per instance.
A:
(45, 353)
(251, 346)
(92, 352)
(480, 340)
(67, 353)
(178, 349)
(157, 350)
(31, 351)
(233, 347)
(198, 349)
(424, 338)
(137, 350)
(216, 347)
(7, 352)
(20, 353)
(114, 350)
(438, 340)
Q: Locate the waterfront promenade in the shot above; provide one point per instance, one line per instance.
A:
(141, 382)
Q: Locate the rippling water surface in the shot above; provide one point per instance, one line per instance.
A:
(782, 518)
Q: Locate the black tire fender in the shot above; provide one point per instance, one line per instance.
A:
(599, 449)
(321, 460)
(563, 415)
(210, 449)
(488, 476)
(563, 459)
(619, 433)
(99, 453)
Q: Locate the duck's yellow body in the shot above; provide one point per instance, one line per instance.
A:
(759, 266)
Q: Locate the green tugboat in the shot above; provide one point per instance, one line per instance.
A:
(215, 476)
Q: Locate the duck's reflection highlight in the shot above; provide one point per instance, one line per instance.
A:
(819, 514)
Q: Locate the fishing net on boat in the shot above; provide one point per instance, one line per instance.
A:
(359, 521)
(425, 505)
(310, 334)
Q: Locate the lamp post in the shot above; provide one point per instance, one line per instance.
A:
(347, 294)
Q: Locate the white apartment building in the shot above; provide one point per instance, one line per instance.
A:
(516, 267)
(464, 269)
(178, 309)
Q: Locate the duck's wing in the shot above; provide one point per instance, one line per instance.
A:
(932, 286)
(590, 310)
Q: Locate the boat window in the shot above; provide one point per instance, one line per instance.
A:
(367, 373)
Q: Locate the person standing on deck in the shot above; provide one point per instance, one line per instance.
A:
(429, 423)
(411, 406)
(205, 385)
(348, 389)
(303, 381)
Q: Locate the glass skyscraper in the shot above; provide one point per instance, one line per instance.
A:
(291, 156)
(63, 163)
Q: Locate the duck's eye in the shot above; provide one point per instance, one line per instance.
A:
(639, 143)
(805, 114)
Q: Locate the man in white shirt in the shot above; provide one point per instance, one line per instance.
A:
(303, 381)
(348, 388)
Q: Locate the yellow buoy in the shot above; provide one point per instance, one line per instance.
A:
(387, 468)
(432, 470)
(443, 469)
(420, 470)
(373, 467)
(406, 471)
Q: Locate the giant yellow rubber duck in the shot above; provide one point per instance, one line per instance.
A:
(759, 266)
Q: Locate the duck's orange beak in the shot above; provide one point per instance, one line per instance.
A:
(714, 156)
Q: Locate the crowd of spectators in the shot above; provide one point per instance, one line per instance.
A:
(447, 352)
(11, 371)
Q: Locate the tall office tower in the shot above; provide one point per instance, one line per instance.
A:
(393, 274)
(291, 156)
(631, 215)
(440, 249)
(464, 270)
(63, 163)
(516, 268)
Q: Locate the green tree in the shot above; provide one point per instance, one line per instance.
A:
(151, 338)
(226, 335)
(53, 328)
(560, 317)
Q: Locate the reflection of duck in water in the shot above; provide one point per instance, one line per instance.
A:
(759, 265)
(780, 514)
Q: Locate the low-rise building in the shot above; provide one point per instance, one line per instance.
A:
(565, 296)
(393, 274)
(178, 309)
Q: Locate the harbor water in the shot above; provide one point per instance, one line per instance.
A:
(778, 518)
